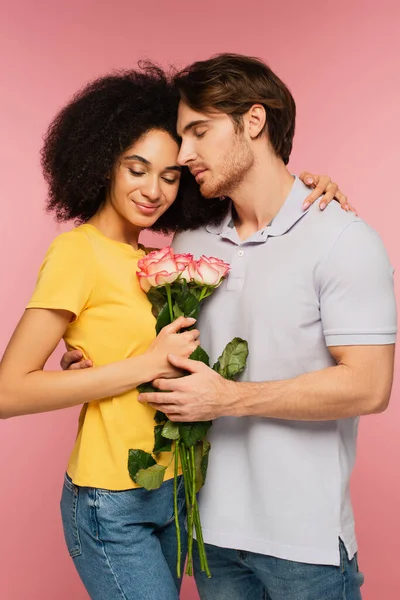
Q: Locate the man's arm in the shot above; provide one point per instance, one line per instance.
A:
(359, 384)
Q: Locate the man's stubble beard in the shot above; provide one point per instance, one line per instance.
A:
(235, 165)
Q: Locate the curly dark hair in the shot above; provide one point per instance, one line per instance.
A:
(102, 120)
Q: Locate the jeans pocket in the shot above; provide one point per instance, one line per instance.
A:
(360, 575)
(69, 508)
(352, 577)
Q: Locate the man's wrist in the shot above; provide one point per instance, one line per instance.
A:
(249, 398)
(232, 399)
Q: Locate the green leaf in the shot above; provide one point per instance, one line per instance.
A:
(216, 367)
(233, 359)
(204, 459)
(178, 286)
(171, 430)
(211, 290)
(143, 388)
(188, 304)
(178, 312)
(195, 289)
(201, 452)
(160, 417)
(138, 459)
(201, 355)
(161, 444)
(191, 433)
(151, 478)
(158, 299)
(163, 319)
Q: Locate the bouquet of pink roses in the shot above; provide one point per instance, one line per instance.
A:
(176, 284)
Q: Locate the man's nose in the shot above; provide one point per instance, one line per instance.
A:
(186, 154)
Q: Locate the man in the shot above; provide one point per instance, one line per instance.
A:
(312, 293)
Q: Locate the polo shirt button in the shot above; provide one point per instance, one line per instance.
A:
(240, 252)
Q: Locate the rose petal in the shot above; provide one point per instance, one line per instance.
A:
(164, 277)
(166, 264)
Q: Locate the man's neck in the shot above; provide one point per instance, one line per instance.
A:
(261, 195)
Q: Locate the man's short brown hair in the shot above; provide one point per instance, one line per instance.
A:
(231, 84)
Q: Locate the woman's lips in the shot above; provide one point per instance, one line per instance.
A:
(147, 209)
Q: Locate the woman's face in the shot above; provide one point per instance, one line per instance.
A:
(145, 179)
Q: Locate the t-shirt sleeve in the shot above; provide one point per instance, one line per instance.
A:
(66, 275)
(356, 290)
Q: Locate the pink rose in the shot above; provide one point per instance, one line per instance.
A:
(158, 268)
(155, 256)
(208, 270)
(183, 260)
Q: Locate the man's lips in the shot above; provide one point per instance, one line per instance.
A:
(197, 172)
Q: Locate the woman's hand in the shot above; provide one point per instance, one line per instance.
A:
(170, 341)
(325, 187)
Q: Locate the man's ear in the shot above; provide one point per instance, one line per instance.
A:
(255, 120)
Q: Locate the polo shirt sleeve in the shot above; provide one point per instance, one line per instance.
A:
(356, 290)
(66, 275)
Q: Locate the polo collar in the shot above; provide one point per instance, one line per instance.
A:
(292, 209)
(290, 212)
(226, 223)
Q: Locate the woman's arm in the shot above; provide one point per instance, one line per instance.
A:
(25, 388)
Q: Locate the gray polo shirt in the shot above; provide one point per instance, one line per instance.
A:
(309, 280)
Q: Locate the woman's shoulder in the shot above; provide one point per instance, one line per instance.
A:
(75, 243)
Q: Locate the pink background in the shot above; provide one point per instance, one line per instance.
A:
(341, 61)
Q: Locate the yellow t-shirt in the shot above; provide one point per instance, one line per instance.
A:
(95, 278)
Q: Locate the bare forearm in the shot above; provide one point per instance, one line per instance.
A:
(333, 393)
(42, 391)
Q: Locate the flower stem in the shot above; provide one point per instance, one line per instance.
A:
(176, 512)
(187, 479)
(182, 451)
(200, 541)
(169, 299)
(192, 499)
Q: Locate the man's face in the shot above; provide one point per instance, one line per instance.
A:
(218, 156)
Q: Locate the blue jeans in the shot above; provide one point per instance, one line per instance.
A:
(124, 543)
(238, 575)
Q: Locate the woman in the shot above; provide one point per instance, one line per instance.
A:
(110, 160)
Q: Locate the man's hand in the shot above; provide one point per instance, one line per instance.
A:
(329, 190)
(201, 396)
(73, 360)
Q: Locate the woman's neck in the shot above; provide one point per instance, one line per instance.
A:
(115, 227)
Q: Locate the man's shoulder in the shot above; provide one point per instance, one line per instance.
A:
(333, 217)
(329, 225)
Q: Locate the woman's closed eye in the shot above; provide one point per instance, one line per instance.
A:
(171, 181)
(137, 173)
